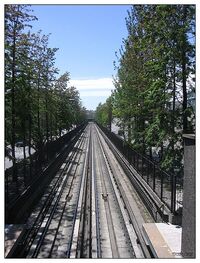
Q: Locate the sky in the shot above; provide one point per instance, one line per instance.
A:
(87, 37)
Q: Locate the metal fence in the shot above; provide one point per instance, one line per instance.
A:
(26, 171)
(165, 185)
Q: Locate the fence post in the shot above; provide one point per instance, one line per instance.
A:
(172, 192)
(154, 183)
(161, 184)
(142, 170)
(147, 170)
(136, 161)
(175, 181)
(7, 187)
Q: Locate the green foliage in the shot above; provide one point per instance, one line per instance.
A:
(103, 113)
(154, 67)
(38, 105)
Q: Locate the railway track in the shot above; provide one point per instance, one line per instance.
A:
(89, 210)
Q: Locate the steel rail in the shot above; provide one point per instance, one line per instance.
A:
(113, 240)
(60, 191)
(65, 204)
(149, 197)
(87, 245)
(133, 219)
(84, 234)
(96, 241)
(72, 246)
(56, 192)
(129, 210)
(30, 234)
(29, 196)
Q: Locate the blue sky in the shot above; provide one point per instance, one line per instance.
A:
(87, 37)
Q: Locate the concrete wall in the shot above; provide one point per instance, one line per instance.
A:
(189, 199)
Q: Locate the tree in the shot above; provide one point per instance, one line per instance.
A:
(155, 65)
(103, 114)
(38, 105)
(16, 19)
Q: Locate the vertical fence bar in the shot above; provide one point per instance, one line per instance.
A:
(147, 170)
(139, 164)
(172, 192)
(142, 168)
(161, 185)
(136, 162)
(175, 185)
(154, 183)
(128, 154)
(7, 185)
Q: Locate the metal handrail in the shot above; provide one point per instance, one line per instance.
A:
(142, 164)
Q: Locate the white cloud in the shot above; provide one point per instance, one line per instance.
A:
(93, 87)
(95, 93)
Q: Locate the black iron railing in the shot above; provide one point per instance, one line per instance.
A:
(27, 171)
(162, 183)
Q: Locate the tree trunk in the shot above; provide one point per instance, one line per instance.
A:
(55, 129)
(24, 151)
(38, 108)
(13, 124)
(184, 74)
(60, 132)
(129, 131)
(47, 127)
(150, 152)
(30, 128)
(184, 95)
(51, 127)
(173, 114)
